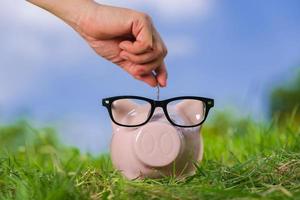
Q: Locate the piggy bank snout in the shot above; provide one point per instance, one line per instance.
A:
(158, 144)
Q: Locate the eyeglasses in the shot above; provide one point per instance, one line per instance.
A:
(134, 111)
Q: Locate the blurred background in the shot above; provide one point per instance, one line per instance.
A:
(244, 54)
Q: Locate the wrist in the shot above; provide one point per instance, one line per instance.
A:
(69, 11)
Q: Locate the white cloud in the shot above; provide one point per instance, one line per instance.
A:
(179, 46)
(28, 31)
(13, 11)
(17, 71)
(26, 35)
(174, 10)
(171, 10)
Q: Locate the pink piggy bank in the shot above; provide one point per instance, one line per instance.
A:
(156, 138)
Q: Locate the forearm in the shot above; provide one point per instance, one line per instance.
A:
(68, 10)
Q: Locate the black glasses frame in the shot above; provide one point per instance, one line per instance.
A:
(107, 102)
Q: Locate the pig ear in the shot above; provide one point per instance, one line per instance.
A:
(121, 108)
(192, 111)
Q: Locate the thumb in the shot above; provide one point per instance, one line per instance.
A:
(149, 79)
(162, 75)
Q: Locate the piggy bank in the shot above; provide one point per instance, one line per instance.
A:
(156, 147)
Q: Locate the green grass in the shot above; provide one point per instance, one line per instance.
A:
(243, 160)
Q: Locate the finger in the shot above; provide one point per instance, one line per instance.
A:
(135, 47)
(159, 51)
(162, 75)
(149, 79)
(139, 59)
(138, 71)
(146, 68)
(143, 33)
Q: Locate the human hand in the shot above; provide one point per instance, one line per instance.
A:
(126, 38)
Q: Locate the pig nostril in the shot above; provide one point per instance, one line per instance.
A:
(166, 144)
(147, 142)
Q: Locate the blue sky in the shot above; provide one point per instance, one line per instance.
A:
(233, 51)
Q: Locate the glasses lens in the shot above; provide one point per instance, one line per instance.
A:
(131, 112)
(190, 111)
